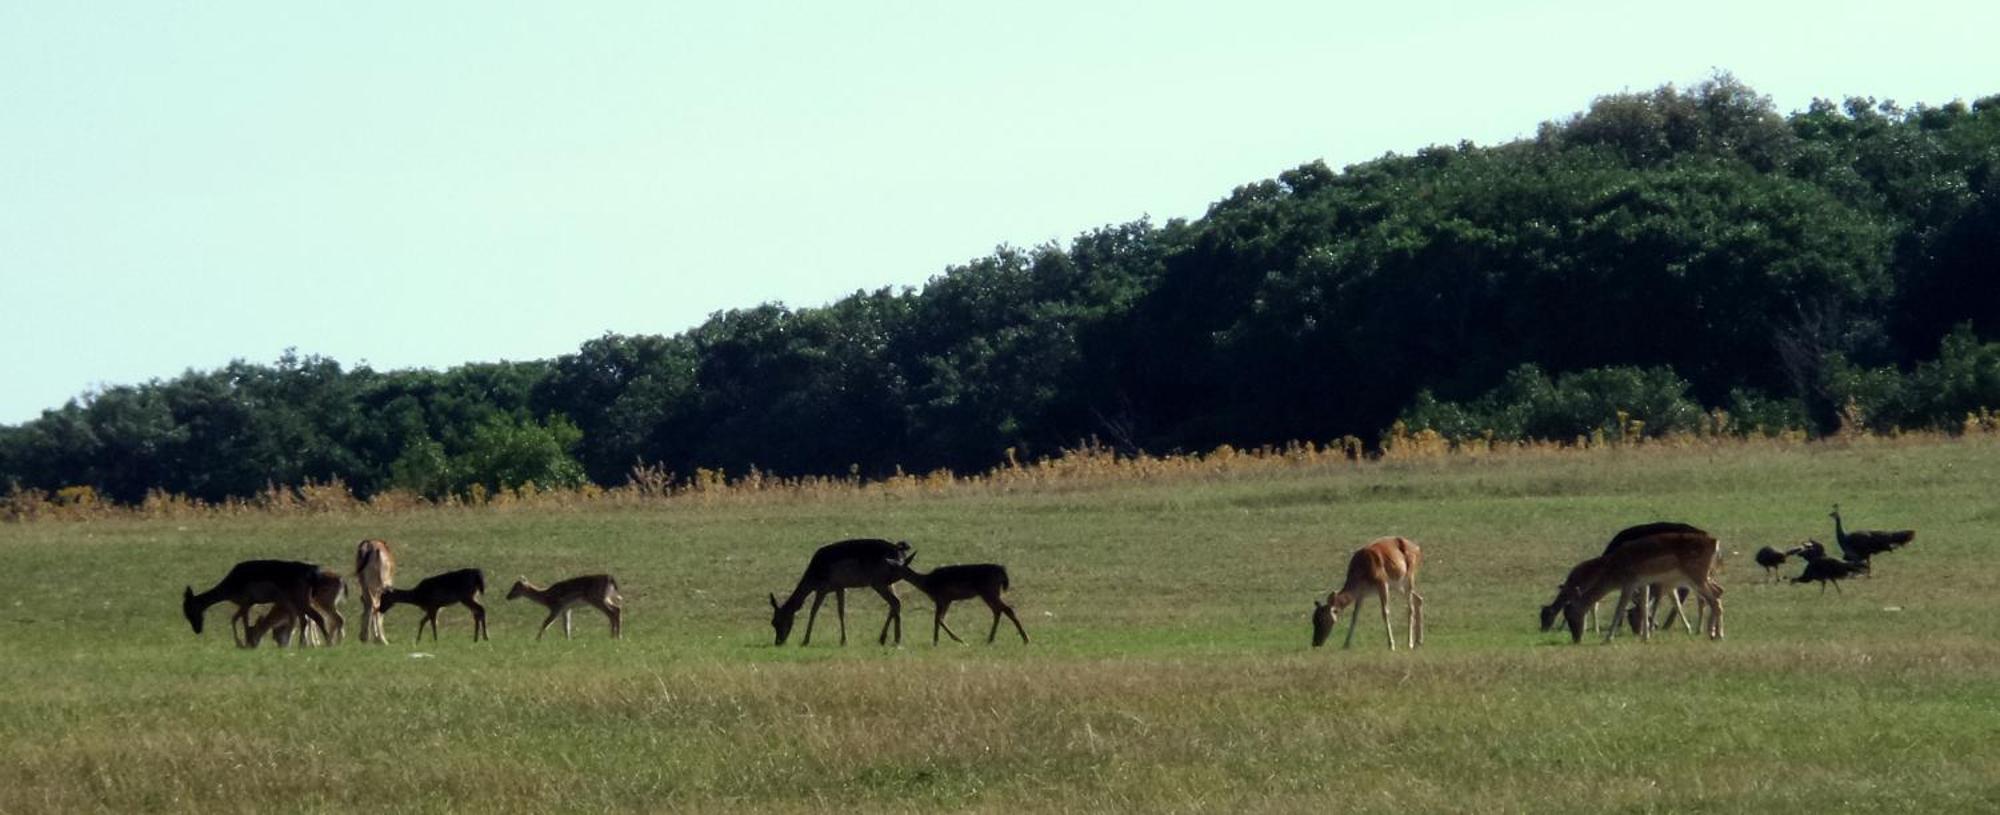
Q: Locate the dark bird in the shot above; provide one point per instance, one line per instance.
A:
(1824, 570)
(1858, 547)
(1771, 559)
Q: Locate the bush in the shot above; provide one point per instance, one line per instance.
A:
(1618, 403)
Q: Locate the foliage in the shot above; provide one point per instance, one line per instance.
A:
(1676, 247)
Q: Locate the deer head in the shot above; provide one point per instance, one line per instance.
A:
(1324, 616)
(191, 609)
(781, 619)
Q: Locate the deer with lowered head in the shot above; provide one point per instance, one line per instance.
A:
(287, 584)
(1667, 559)
(1383, 564)
(837, 567)
(462, 587)
(328, 590)
(599, 591)
(948, 584)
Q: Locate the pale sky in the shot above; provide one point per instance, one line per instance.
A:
(426, 184)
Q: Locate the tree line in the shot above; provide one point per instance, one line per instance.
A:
(1657, 257)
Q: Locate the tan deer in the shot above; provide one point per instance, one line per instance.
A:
(287, 584)
(597, 590)
(837, 567)
(948, 584)
(328, 590)
(1668, 559)
(374, 572)
(1383, 564)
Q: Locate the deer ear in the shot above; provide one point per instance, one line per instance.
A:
(774, 601)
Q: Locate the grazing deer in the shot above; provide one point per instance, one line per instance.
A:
(328, 589)
(437, 591)
(598, 590)
(837, 567)
(287, 584)
(1386, 562)
(374, 572)
(1582, 573)
(1670, 559)
(948, 584)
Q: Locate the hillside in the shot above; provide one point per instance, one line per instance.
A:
(1656, 258)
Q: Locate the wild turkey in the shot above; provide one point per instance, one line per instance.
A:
(1824, 570)
(1771, 559)
(1858, 547)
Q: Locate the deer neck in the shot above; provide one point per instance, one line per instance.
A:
(798, 598)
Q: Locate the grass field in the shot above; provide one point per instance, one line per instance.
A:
(1169, 670)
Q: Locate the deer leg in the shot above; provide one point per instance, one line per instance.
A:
(303, 599)
(1681, 611)
(617, 621)
(1382, 599)
(550, 620)
(941, 608)
(895, 616)
(1352, 622)
(840, 608)
(1009, 611)
(818, 597)
(1618, 612)
(568, 617)
(478, 620)
(242, 616)
(1416, 603)
(1714, 611)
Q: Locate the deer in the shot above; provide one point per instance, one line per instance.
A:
(437, 591)
(598, 590)
(1382, 564)
(374, 572)
(328, 589)
(1671, 558)
(836, 567)
(1584, 571)
(287, 584)
(948, 584)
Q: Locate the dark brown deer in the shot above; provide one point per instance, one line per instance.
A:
(433, 593)
(837, 567)
(328, 590)
(949, 584)
(288, 584)
(597, 590)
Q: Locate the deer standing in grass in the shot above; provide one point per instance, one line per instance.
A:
(837, 567)
(374, 572)
(1586, 571)
(328, 590)
(287, 584)
(462, 587)
(1672, 558)
(948, 584)
(597, 590)
(1382, 564)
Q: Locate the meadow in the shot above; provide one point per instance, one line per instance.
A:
(1169, 669)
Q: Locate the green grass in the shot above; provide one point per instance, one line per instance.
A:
(1169, 670)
